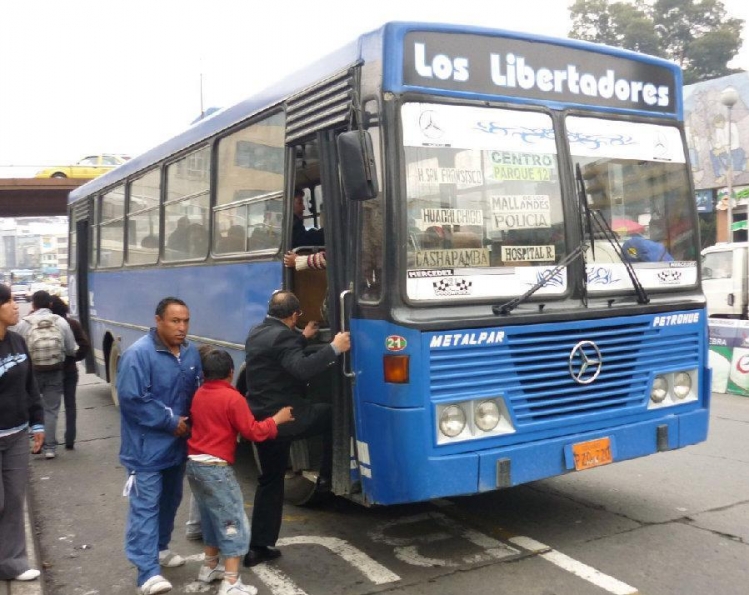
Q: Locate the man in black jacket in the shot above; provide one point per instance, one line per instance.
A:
(277, 372)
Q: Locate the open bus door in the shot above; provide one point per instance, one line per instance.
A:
(325, 296)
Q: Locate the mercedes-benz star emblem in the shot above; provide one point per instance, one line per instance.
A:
(585, 362)
(428, 124)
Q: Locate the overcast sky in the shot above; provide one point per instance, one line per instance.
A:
(78, 77)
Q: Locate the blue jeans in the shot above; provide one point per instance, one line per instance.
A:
(154, 500)
(219, 497)
(50, 386)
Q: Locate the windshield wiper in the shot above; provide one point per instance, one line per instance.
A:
(609, 235)
(642, 296)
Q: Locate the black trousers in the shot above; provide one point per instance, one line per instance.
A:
(267, 511)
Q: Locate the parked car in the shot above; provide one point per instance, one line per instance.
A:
(19, 292)
(88, 167)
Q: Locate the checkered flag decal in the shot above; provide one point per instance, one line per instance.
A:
(460, 285)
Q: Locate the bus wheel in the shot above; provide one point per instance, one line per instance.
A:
(114, 361)
(300, 485)
(59, 174)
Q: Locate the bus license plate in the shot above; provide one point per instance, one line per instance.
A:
(592, 454)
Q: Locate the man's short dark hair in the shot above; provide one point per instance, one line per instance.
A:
(165, 303)
(283, 304)
(58, 306)
(217, 364)
(41, 299)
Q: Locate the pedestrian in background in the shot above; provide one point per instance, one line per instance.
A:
(277, 371)
(20, 407)
(156, 380)
(70, 369)
(49, 340)
(219, 412)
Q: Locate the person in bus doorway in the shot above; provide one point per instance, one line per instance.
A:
(20, 411)
(156, 380)
(70, 369)
(277, 371)
(300, 235)
(219, 412)
(49, 340)
(301, 262)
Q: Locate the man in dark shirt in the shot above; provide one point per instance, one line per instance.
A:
(277, 372)
(300, 235)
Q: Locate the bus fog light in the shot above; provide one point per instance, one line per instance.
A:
(452, 421)
(659, 390)
(487, 415)
(682, 385)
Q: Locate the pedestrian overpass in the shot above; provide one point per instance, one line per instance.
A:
(36, 197)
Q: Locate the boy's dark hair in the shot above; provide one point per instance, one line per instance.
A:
(165, 303)
(217, 364)
(283, 304)
(5, 294)
(41, 299)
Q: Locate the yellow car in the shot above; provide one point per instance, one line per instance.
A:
(88, 167)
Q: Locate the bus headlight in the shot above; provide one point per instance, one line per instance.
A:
(659, 390)
(486, 416)
(452, 421)
(682, 385)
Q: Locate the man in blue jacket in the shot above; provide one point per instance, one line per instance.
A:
(156, 379)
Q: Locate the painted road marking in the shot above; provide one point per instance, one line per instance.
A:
(374, 571)
(584, 571)
(406, 549)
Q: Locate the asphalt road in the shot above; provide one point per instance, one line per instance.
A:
(677, 522)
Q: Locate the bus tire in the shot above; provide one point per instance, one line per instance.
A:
(112, 364)
(300, 487)
(58, 174)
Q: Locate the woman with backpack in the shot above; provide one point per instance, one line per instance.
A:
(20, 408)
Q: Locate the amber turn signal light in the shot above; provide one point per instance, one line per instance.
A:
(396, 368)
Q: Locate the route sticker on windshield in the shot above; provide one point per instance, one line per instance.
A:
(456, 259)
(528, 253)
(395, 343)
(522, 211)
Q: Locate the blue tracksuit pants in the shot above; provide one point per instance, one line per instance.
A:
(154, 499)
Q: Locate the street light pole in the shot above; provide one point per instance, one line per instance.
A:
(729, 97)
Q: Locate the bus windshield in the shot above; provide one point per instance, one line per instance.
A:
(484, 202)
(636, 178)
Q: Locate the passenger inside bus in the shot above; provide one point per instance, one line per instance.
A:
(234, 241)
(197, 240)
(300, 235)
(178, 239)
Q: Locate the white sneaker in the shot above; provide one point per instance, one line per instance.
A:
(208, 574)
(238, 588)
(49, 454)
(28, 575)
(155, 584)
(168, 559)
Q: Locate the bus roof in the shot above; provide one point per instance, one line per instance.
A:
(383, 44)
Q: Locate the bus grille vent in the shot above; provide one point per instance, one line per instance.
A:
(531, 369)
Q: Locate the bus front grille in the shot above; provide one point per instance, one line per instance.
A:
(530, 368)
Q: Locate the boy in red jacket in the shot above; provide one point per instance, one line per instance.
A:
(218, 413)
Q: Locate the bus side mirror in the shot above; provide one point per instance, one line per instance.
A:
(358, 171)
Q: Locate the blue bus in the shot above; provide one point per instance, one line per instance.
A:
(510, 234)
